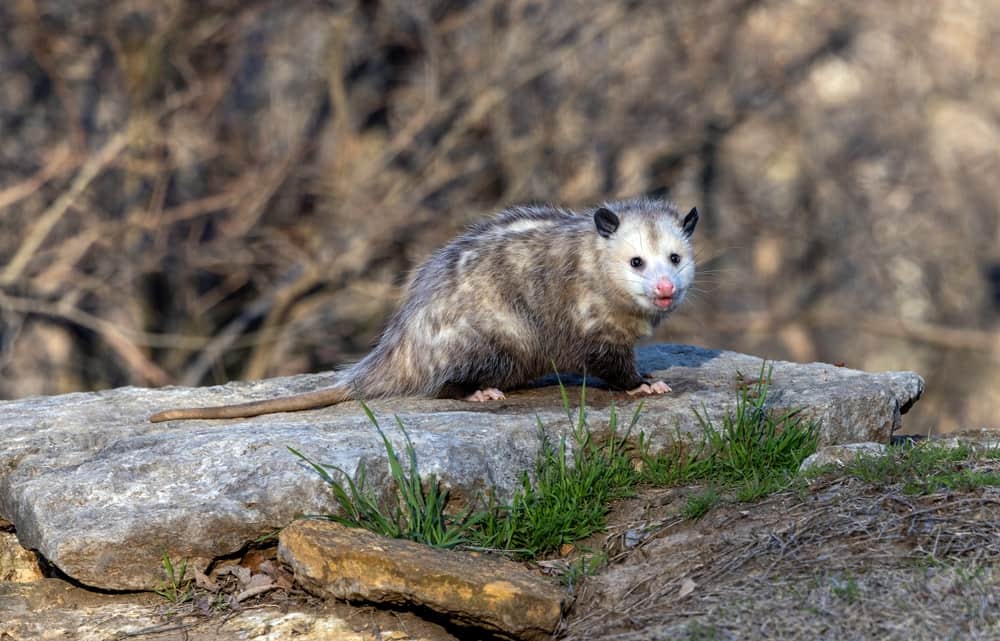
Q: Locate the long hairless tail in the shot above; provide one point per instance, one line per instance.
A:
(307, 401)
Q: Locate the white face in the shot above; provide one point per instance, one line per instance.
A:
(654, 262)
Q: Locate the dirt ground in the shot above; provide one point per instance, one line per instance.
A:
(840, 560)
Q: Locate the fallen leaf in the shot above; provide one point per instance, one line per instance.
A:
(255, 558)
(281, 576)
(203, 581)
(204, 604)
(259, 584)
(241, 573)
(259, 580)
(553, 566)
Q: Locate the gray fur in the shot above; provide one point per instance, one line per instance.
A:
(515, 294)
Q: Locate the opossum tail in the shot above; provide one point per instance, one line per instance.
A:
(307, 401)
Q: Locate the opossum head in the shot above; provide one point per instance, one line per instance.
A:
(647, 248)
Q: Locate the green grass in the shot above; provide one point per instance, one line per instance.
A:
(568, 498)
(586, 564)
(417, 511)
(176, 587)
(681, 463)
(755, 450)
(926, 468)
(753, 453)
(698, 505)
(845, 588)
(695, 631)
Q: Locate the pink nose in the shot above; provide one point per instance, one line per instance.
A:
(664, 288)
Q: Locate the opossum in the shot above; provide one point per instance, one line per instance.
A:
(531, 290)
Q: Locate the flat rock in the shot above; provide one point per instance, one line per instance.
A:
(473, 589)
(102, 493)
(841, 455)
(53, 609)
(983, 439)
(17, 565)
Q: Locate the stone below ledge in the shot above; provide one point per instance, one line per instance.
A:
(17, 565)
(472, 589)
(51, 609)
(102, 493)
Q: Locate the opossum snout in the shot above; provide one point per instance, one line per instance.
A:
(663, 293)
(664, 288)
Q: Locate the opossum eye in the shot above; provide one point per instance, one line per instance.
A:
(675, 259)
(637, 262)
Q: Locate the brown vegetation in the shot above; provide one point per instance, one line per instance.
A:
(845, 560)
(192, 192)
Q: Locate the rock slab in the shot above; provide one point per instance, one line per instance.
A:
(17, 565)
(102, 494)
(841, 455)
(52, 610)
(491, 593)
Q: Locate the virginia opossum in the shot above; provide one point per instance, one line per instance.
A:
(532, 289)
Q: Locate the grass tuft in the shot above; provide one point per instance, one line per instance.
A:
(846, 588)
(681, 463)
(417, 509)
(754, 449)
(698, 505)
(176, 588)
(568, 499)
(753, 453)
(587, 564)
(927, 468)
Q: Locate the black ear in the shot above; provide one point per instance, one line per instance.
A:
(607, 222)
(689, 222)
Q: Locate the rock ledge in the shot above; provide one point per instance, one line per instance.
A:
(102, 493)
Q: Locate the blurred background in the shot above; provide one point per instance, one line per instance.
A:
(198, 191)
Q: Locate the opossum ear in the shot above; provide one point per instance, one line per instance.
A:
(607, 222)
(689, 222)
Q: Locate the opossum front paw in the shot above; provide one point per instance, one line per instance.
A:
(659, 387)
(488, 394)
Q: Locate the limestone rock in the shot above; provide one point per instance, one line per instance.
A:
(983, 439)
(486, 592)
(102, 493)
(841, 455)
(17, 565)
(53, 609)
